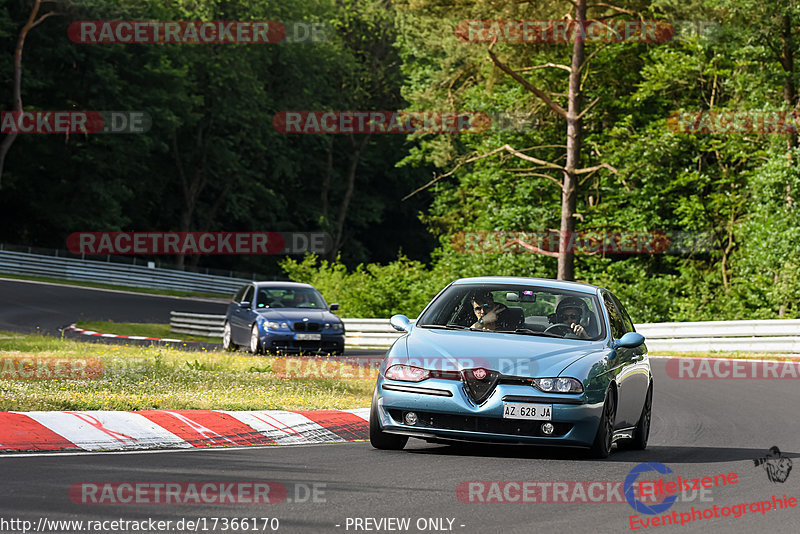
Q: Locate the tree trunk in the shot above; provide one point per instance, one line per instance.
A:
(566, 258)
(326, 179)
(352, 165)
(31, 23)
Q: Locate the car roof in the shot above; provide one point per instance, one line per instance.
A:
(541, 282)
(281, 284)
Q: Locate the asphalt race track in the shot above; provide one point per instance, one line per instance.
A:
(26, 306)
(700, 428)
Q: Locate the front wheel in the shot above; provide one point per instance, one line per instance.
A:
(380, 439)
(227, 340)
(601, 447)
(255, 340)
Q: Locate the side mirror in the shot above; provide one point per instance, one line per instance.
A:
(334, 307)
(400, 323)
(512, 296)
(630, 340)
(244, 304)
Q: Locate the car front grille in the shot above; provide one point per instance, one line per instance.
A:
(306, 327)
(471, 423)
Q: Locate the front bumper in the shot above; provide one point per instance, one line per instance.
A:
(444, 411)
(288, 343)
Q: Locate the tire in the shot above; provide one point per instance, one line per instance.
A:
(642, 432)
(227, 339)
(382, 440)
(603, 440)
(255, 341)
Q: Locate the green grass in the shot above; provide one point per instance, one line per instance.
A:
(141, 329)
(157, 377)
(145, 290)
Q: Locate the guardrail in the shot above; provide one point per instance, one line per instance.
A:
(116, 273)
(777, 335)
(769, 335)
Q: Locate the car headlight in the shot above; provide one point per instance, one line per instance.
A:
(407, 373)
(275, 325)
(333, 326)
(559, 385)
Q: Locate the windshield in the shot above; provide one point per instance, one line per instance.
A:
(289, 297)
(519, 309)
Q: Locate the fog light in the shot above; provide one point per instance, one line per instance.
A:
(547, 428)
(411, 418)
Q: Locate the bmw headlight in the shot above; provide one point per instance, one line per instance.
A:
(559, 385)
(333, 326)
(275, 325)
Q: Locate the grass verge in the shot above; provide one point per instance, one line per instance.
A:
(141, 329)
(156, 377)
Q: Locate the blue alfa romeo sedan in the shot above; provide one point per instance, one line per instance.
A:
(516, 360)
(282, 317)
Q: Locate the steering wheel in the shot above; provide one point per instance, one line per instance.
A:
(276, 304)
(560, 326)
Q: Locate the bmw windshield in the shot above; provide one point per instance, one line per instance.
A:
(518, 309)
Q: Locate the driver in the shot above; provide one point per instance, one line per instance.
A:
(570, 312)
(487, 311)
(299, 299)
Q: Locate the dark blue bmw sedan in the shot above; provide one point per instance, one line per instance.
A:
(270, 317)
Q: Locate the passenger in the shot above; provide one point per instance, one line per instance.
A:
(487, 311)
(570, 312)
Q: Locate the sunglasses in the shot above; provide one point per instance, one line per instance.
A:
(482, 307)
(571, 316)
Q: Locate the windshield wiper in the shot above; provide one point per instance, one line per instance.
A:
(527, 332)
(445, 326)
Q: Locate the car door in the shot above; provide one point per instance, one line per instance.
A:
(623, 365)
(638, 379)
(240, 318)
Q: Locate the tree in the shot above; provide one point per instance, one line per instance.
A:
(34, 19)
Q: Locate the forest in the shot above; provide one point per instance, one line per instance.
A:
(670, 123)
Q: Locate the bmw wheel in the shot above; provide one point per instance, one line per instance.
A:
(601, 447)
(255, 340)
(227, 340)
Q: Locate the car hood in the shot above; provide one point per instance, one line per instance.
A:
(510, 354)
(298, 314)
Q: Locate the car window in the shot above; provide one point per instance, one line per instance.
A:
(626, 319)
(240, 294)
(290, 297)
(617, 326)
(248, 295)
(531, 309)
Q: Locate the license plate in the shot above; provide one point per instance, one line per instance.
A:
(308, 337)
(523, 410)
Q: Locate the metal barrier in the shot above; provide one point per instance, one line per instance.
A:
(770, 335)
(778, 335)
(116, 273)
